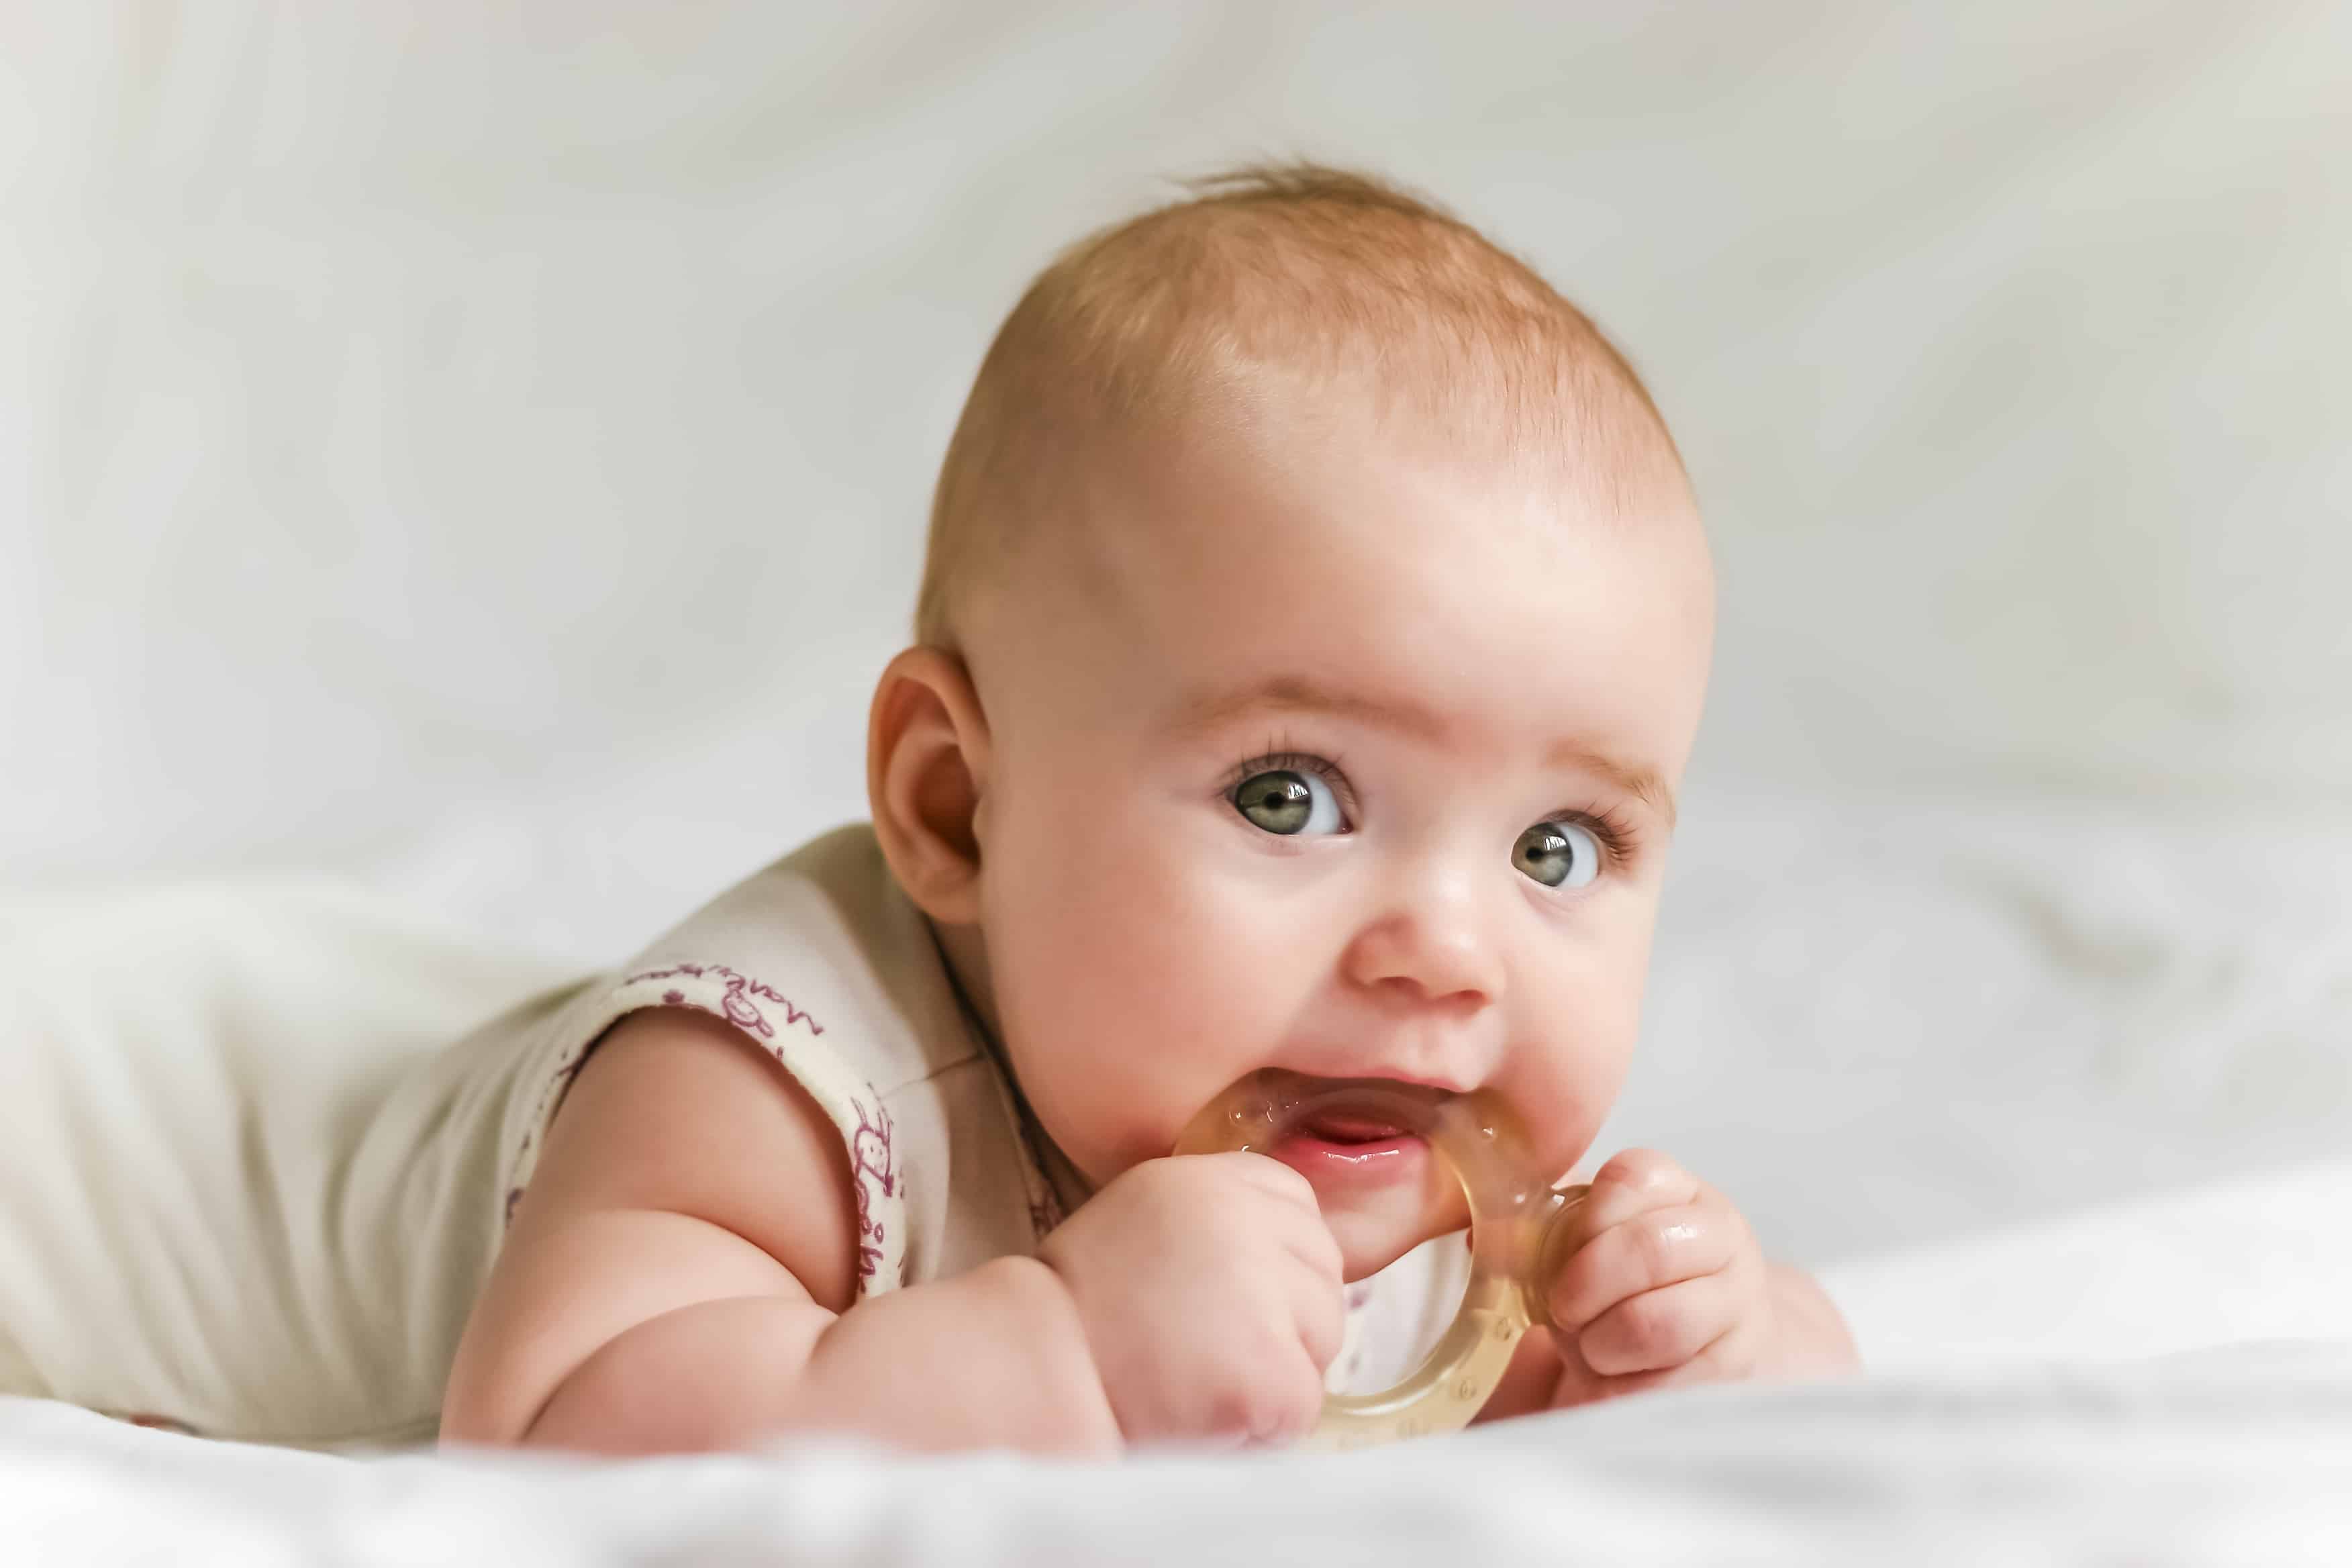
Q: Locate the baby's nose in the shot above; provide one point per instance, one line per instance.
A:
(1433, 954)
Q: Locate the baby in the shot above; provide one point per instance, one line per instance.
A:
(1313, 636)
(1314, 632)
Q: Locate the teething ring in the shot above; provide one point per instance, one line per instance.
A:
(1511, 1232)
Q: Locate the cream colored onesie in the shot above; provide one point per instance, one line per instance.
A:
(247, 1188)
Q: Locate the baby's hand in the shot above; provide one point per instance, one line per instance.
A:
(1210, 1290)
(1667, 1286)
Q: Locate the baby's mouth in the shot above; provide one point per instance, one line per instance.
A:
(1351, 1148)
(1346, 1128)
(1361, 1144)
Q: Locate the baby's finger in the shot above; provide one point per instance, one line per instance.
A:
(1272, 1177)
(1319, 1307)
(1726, 1358)
(1633, 1181)
(1642, 1179)
(1660, 1328)
(1651, 1250)
(1311, 1241)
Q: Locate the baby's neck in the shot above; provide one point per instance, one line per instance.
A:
(965, 957)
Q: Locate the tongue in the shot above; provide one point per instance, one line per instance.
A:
(1338, 1126)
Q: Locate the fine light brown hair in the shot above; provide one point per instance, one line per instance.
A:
(1316, 276)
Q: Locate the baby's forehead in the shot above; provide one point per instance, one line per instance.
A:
(1334, 541)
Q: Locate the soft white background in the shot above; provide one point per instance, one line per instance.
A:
(484, 449)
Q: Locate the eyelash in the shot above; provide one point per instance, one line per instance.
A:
(1280, 758)
(1620, 840)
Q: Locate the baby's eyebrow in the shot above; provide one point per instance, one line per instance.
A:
(1296, 693)
(1641, 783)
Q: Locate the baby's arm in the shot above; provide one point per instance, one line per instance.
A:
(679, 1272)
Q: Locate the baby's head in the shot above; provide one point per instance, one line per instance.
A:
(1314, 628)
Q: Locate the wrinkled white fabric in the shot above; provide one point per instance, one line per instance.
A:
(2236, 1457)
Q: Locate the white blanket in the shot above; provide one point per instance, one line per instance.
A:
(2233, 1457)
(2258, 1256)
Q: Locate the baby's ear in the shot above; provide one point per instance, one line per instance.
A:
(926, 761)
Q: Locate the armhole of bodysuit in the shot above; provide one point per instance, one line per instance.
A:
(769, 1020)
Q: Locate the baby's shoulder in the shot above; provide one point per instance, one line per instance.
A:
(820, 949)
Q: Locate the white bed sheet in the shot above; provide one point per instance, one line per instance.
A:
(2257, 1257)
(2236, 1457)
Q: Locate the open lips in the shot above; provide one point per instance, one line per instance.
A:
(1343, 1127)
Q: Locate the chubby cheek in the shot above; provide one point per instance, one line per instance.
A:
(1131, 985)
(1591, 1018)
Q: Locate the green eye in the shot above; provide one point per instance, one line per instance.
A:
(1284, 802)
(1557, 855)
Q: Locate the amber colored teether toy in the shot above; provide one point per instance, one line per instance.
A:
(1513, 1234)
